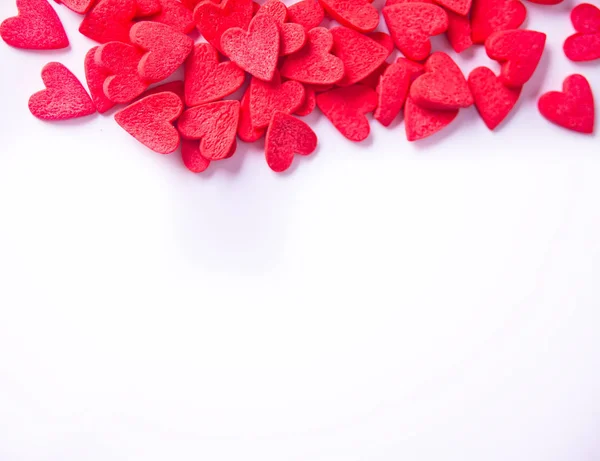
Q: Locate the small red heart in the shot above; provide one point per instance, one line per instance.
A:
(347, 107)
(421, 123)
(412, 24)
(586, 18)
(276, 9)
(287, 136)
(150, 121)
(121, 61)
(392, 92)
(37, 27)
(206, 79)
(64, 97)
(78, 6)
(246, 131)
(314, 64)
(215, 124)
(573, 108)
(493, 99)
(109, 20)
(442, 86)
(192, 158)
(519, 52)
(213, 19)
(166, 49)
(360, 54)
(308, 13)
(460, 7)
(582, 47)
(95, 76)
(148, 8)
(174, 14)
(255, 51)
(269, 97)
(355, 14)
(489, 16)
(459, 32)
(292, 36)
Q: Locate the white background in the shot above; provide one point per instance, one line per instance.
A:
(381, 301)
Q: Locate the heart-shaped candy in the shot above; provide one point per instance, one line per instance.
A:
(489, 16)
(355, 14)
(287, 136)
(148, 8)
(78, 6)
(109, 20)
(37, 27)
(459, 32)
(246, 131)
(174, 14)
(308, 13)
(461, 7)
(191, 156)
(95, 76)
(267, 98)
(421, 123)
(392, 92)
(583, 47)
(586, 18)
(213, 19)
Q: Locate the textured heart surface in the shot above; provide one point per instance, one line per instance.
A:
(255, 51)
(519, 52)
(461, 7)
(582, 47)
(586, 18)
(308, 13)
(174, 14)
(191, 156)
(213, 19)
(421, 123)
(78, 6)
(489, 16)
(287, 136)
(37, 27)
(347, 107)
(459, 32)
(64, 97)
(148, 8)
(392, 92)
(95, 76)
(493, 100)
(266, 98)
(573, 108)
(355, 14)
(150, 121)
(215, 125)
(109, 20)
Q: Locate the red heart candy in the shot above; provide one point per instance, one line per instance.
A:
(269, 97)
(109, 20)
(461, 7)
(308, 13)
(192, 158)
(150, 121)
(215, 124)
(356, 14)
(287, 136)
(95, 76)
(459, 32)
(147, 7)
(166, 49)
(174, 14)
(64, 97)
(175, 87)
(582, 47)
(78, 6)
(255, 51)
(214, 19)
(347, 107)
(519, 51)
(360, 54)
(421, 123)
(246, 131)
(493, 99)
(573, 108)
(292, 36)
(314, 64)
(392, 92)
(37, 27)
(443, 86)
(489, 16)
(121, 61)
(586, 18)
(274, 8)
(411, 25)
(206, 79)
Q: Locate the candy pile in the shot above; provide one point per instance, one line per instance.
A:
(294, 65)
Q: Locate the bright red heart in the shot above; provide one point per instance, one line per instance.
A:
(246, 131)
(347, 107)
(150, 121)
(489, 16)
(64, 97)
(412, 24)
(109, 20)
(78, 6)
(287, 136)
(392, 92)
(459, 32)
(519, 52)
(192, 158)
(274, 8)
(206, 79)
(37, 27)
(586, 18)
(255, 51)
(573, 108)
(292, 36)
(461, 7)
(308, 13)
(215, 124)
(166, 49)
(360, 54)
(355, 14)
(95, 76)
(493, 100)
(267, 98)
(314, 64)
(582, 47)
(421, 123)
(214, 19)
(174, 14)
(442, 86)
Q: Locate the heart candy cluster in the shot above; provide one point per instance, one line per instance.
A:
(293, 65)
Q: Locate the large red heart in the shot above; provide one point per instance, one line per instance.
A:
(421, 123)
(489, 16)
(206, 79)
(286, 136)
(121, 61)
(215, 124)
(109, 20)
(150, 121)
(78, 6)
(442, 86)
(269, 97)
(412, 24)
(214, 19)
(64, 97)
(166, 49)
(356, 14)
(573, 108)
(314, 64)
(519, 52)
(257, 50)
(37, 27)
